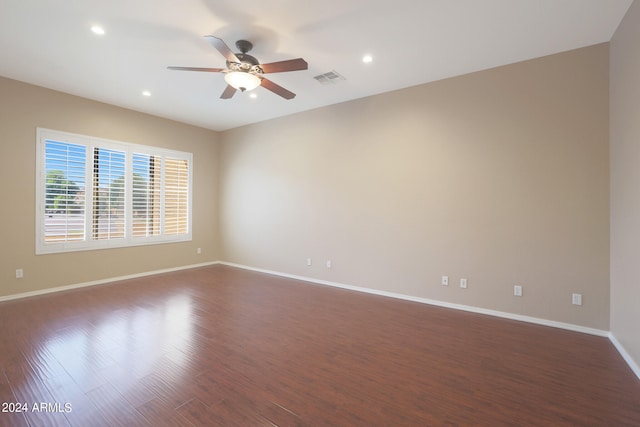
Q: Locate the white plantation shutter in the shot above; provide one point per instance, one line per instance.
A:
(146, 180)
(64, 198)
(108, 194)
(94, 193)
(176, 196)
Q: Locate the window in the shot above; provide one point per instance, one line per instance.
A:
(94, 193)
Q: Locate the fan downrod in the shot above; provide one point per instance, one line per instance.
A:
(244, 46)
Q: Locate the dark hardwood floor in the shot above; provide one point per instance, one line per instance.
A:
(219, 346)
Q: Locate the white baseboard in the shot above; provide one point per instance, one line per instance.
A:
(101, 281)
(626, 356)
(495, 313)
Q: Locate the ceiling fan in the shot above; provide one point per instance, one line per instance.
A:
(244, 72)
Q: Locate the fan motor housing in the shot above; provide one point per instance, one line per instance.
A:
(243, 57)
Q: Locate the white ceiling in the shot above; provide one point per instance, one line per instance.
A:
(49, 43)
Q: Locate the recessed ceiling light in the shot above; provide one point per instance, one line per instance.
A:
(253, 95)
(367, 58)
(146, 93)
(97, 30)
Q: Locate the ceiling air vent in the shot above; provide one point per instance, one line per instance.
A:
(332, 77)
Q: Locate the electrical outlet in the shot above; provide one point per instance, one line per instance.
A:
(517, 290)
(576, 299)
(309, 261)
(19, 273)
(463, 283)
(199, 251)
(328, 263)
(445, 280)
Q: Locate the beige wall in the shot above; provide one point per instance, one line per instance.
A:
(500, 177)
(23, 108)
(625, 183)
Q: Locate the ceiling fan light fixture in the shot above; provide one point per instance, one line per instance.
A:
(245, 73)
(242, 80)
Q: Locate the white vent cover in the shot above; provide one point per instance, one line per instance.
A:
(332, 77)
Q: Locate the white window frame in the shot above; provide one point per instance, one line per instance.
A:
(89, 243)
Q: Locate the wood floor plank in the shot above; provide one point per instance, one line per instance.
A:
(8, 416)
(30, 390)
(280, 416)
(79, 409)
(12, 419)
(114, 407)
(197, 413)
(223, 346)
(44, 363)
(174, 393)
(160, 413)
(231, 412)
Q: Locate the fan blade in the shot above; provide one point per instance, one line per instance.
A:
(228, 92)
(222, 48)
(278, 90)
(208, 70)
(282, 66)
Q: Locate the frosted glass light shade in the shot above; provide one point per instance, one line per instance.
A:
(242, 80)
